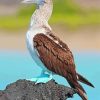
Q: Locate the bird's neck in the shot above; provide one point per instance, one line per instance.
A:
(42, 14)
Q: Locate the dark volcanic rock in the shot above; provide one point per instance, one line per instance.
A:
(27, 90)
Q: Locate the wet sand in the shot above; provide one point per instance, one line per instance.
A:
(87, 38)
(12, 41)
(79, 40)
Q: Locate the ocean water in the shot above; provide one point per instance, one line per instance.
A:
(19, 65)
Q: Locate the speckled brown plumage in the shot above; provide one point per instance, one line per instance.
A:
(58, 58)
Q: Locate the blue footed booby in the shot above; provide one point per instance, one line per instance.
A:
(50, 52)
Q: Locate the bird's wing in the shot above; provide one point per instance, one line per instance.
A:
(56, 56)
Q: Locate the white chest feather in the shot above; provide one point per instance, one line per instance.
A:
(39, 19)
(30, 35)
(30, 45)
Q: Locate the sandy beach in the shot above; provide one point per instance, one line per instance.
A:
(81, 39)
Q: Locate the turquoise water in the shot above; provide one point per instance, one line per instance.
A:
(17, 65)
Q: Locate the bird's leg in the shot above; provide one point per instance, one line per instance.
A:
(43, 78)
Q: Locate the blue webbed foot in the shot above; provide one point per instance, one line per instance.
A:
(43, 78)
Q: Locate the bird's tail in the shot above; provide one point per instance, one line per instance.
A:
(81, 92)
(79, 89)
(84, 80)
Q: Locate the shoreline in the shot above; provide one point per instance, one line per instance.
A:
(78, 40)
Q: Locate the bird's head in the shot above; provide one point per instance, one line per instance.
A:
(38, 2)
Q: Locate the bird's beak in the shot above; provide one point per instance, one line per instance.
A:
(28, 1)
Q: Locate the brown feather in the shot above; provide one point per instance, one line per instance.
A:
(84, 80)
(58, 58)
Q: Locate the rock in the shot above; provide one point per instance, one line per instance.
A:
(28, 90)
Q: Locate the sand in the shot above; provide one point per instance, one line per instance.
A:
(82, 39)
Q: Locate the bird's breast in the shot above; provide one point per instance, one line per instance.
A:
(33, 52)
(31, 34)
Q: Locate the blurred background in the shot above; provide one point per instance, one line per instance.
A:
(76, 22)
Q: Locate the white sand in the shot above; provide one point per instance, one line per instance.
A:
(82, 39)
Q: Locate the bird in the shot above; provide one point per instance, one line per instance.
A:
(49, 52)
